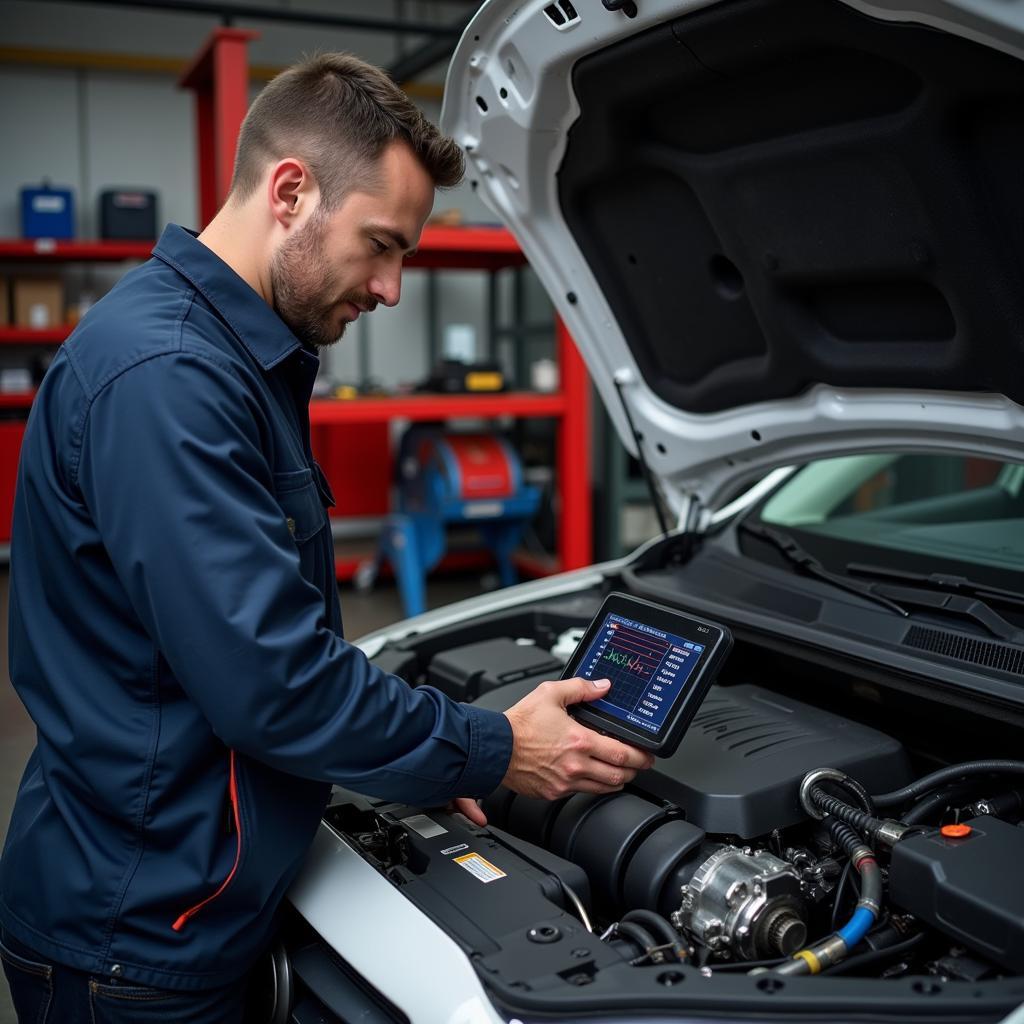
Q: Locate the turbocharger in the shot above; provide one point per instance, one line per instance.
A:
(745, 903)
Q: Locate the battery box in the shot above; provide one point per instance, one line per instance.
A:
(966, 886)
(465, 673)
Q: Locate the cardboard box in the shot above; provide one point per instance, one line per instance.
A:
(38, 302)
(5, 302)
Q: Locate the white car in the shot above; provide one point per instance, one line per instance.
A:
(788, 237)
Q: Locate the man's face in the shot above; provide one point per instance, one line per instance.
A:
(344, 263)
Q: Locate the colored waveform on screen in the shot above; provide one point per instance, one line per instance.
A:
(618, 658)
(634, 651)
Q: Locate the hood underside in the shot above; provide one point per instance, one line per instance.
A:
(786, 228)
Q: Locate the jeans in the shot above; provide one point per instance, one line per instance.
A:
(50, 993)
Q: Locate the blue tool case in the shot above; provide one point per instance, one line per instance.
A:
(47, 212)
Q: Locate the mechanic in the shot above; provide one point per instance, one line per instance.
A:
(175, 630)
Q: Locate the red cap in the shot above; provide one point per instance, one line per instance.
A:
(956, 831)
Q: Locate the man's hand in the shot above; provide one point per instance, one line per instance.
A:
(470, 808)
(553, 755)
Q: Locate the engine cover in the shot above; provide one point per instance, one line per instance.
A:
(738, 770)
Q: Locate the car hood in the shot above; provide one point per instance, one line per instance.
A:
(777, 229)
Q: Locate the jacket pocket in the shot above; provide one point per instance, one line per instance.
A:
(299, 498)
(236, 816)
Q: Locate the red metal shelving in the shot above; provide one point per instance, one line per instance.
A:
(34, 336)
(219, 78)
(16, 399)
(434, 407)
(33, 250)
(466, 248)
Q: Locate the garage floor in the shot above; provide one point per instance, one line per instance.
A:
(362, 612)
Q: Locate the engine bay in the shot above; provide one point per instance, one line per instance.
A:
(800, 829)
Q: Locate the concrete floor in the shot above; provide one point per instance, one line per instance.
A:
(363, 613)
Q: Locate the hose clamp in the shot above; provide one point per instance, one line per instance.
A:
(811, 779)
(891, 832)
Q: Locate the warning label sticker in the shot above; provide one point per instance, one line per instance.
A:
(477, 865)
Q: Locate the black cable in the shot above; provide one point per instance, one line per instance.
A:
(860, 820)
(637, 934)
(862, 959)
(952, 773)
(654, 923)
(856, 789)
(927, 805)
(848, 876)
(1006, 805)
(845, 836)
(843, 879)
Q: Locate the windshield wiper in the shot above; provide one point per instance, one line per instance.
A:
(807, 563)
(938, 581)
(950, 595)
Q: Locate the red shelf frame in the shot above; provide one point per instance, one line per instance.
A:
(34, 336)
(49, 250)
(434, 407)
(16, 400)
(219, 77)
(466, 248)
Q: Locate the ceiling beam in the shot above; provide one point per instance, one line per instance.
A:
(432, 52)
(230, 12)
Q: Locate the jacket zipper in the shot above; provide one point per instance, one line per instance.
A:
(233, 792)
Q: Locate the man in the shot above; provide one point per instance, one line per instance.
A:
(175, 629)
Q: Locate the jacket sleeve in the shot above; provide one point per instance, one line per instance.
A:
(172, 470)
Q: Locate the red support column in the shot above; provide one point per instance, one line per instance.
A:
(219, 76)
(575, 514)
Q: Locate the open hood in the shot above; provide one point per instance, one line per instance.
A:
(777, 229)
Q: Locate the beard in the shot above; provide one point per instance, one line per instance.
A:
(304, 291)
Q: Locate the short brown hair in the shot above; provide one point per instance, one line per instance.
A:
(337, 113)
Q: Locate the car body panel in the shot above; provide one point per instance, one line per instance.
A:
(385, 938)
(514, 62)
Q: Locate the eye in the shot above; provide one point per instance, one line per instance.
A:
(379, 247)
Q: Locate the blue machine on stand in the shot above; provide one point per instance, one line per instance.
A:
(447, 479)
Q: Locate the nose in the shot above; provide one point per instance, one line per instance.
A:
(386, 286)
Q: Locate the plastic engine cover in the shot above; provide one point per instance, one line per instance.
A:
(739, 767)
(738, 770)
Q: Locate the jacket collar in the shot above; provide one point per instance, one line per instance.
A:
(255, 323)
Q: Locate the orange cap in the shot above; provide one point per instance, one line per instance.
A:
(956, 831)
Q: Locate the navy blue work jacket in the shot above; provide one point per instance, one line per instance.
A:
(175, 633)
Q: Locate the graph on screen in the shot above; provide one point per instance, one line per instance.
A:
(646, 667)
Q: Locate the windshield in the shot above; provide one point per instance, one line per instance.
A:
(926, 513)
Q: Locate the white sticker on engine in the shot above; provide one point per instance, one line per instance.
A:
(476, 865)
(424, 826)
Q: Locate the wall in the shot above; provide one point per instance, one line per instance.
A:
(98, 128)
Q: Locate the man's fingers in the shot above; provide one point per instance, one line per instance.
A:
(575, 690)
(593, 786)
(620, 755)
(470, 808)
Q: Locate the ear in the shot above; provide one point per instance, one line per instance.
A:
(291, 192)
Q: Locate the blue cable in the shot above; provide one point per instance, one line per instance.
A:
(857, 927)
